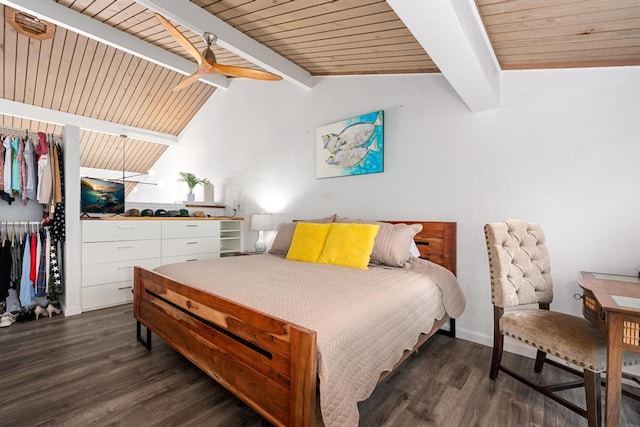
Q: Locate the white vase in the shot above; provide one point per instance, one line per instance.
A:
(208, 193)
(191, 197)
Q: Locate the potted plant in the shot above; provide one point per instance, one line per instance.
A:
(192, 181)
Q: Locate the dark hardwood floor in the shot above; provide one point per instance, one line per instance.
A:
(89, 369)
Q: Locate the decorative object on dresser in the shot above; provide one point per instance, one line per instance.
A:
(521, 275)
(261, 222)
(101, 196)
(192, 181)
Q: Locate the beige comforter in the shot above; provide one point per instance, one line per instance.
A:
(364, 319)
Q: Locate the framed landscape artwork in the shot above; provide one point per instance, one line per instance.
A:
(351, 147)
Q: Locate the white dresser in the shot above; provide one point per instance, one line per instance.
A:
(112, 247)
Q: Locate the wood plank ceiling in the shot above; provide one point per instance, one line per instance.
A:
(563, 33)
(78, 75)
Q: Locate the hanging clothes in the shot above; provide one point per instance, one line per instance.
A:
(23, 171)
(2, 150)
(7, 164)
(55, 282)
(15, 166)
(37, 256)
(16, 261)
(30, 163)
(33, 241)
(41, 280)
(45, 179)
(57, 183)
(47, 268)
(58, 229)
(5, 156)
(26, 285)
(5, 267)
(42, 147)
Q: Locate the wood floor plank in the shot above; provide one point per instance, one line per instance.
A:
(89, 369)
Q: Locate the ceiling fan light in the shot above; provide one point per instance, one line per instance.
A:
(29, 25)
(209, 38)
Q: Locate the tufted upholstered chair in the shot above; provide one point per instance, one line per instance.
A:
(520, 275)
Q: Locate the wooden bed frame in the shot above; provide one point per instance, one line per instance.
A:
(267, 362)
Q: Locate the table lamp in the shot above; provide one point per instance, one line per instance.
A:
(260, 222)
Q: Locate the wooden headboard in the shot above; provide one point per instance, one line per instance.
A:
(436, 242)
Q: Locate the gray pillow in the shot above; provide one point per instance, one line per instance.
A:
(393, 243)
(282, 241)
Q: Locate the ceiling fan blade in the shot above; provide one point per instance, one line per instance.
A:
(189, 80)
(247, 73)
(184, 42)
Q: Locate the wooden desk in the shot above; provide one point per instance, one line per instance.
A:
(620, 324)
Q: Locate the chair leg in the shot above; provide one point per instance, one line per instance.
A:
(498, 344)
(592, 390)
(540, 358)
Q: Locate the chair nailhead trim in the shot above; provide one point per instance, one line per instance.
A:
(575, 362)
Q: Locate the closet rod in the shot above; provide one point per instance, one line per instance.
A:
(19, 223)
(22, 131)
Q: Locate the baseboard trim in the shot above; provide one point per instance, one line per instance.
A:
(71, 310)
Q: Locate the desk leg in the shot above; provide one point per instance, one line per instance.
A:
(614, 369)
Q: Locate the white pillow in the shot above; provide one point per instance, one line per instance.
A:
(413, 249)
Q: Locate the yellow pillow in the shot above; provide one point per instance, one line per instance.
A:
(308, 241)
(349, 245)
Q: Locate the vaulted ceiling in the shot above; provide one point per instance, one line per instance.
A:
(111, 60)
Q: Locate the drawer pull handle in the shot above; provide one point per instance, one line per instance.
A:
(125, 247)
(192, 225)
(192, 243)
(124, 288)
(125, 226)
(192, 259)
(128, 267)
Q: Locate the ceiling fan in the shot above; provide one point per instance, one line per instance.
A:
(207, 60)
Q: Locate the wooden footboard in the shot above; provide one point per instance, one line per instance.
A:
(268, 363)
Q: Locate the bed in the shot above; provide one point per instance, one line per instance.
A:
(277, 366)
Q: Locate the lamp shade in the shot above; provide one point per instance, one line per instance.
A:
(261, 221)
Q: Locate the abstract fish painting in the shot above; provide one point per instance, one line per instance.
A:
(351, 147)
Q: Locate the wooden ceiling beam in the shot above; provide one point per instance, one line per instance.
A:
(190, 15)
(78, 23)
(452, 34)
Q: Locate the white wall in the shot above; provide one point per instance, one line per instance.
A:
(562, 150)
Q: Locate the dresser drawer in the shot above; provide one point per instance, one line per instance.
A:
(191, 245)
(185, 228)
(94, 297)
(102, 231)
(110, 272)
(101, 252)
(189, 258)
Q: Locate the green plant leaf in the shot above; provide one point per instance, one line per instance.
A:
(192, 180)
